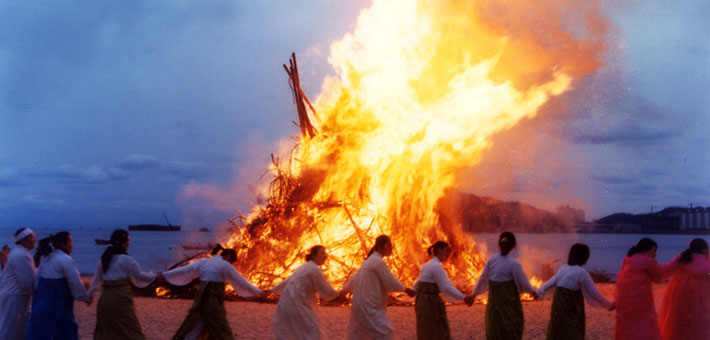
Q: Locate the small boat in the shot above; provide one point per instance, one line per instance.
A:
(101, 241)
(197, 247)
(203, 229)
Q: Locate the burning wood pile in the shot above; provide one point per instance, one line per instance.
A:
(420, 90)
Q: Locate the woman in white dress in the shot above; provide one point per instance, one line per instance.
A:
(370, 286)
(58, 285)
(295, 316)
(207, 314)
(429, 308)
(506, 279)
(16, 286)
(574, 285)
(116, 314)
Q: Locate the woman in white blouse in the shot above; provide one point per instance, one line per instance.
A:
(207, 314)
(430, 309)
(295, 317)
(504, 279)
(58, 285)
(16, 286)
(115, 314)
(574, 285)
(370, 285)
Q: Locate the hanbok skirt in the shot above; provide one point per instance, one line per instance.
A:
(208, 308)
(115, 314)
(567, 320)
(504, 312)
(430, 310)
(52, 314)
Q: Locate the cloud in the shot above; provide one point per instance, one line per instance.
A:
(138, 162)
(182, 169)
(629, 134)
(8, 177)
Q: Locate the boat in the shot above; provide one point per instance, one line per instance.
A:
(153, 227)
(101, 241)
(203, 229)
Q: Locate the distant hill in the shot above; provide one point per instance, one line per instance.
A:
(485, 214)
(664, 220)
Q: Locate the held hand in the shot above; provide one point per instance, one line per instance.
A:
(410, 292)
(88, 302)
(469, 300)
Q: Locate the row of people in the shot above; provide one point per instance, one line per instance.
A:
(58, 285)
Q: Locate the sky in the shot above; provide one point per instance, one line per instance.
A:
(110, 112)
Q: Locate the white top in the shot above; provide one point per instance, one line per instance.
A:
(122, 266)
(59, 265)
(576, 278)
(433, 272)
(302, 285)
(214, 269)
(501, 268)
(19, 274)
(371, 283)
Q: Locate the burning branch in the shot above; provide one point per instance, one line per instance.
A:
(305, 125)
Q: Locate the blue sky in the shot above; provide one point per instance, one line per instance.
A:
(109, 109)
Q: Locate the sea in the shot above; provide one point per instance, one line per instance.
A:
(158, 250)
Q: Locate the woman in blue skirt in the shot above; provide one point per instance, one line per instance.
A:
(58, 285)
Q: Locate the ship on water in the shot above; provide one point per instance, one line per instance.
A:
(155, 227)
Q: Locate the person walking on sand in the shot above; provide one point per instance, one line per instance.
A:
(370, 285)
(636, 317)
(505, 279)
(58, 285)
(430, 310)
(685, 308)
(116, 271)
(573, 285)
(207, 315)
(294, 317)
(16, 285)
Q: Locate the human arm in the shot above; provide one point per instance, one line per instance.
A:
(71, 274)
(183, 275)
(322, 286)
(552, 282)
(445, 286)
(239, 283)
(591, 293)
(25, 271)
(138, 277)
(521, 280)
(97, 280)
(482, 283)
(389, 281)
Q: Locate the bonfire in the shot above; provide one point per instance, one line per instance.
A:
(420, 90)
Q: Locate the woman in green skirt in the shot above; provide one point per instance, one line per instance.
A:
(573, 285)
(115, 314)
(504, 279)
(432, 323)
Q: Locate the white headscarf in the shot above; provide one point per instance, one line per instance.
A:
(24, 233)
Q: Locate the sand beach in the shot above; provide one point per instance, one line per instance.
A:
(249, 320)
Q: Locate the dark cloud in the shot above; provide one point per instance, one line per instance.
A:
(138, 162)
(626, 135)
(614, 179)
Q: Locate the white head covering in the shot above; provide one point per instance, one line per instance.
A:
(24, 233)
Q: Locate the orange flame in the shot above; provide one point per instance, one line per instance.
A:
(420, 90)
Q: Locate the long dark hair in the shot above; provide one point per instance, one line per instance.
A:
(436, 246)
(313, 252)
(645, 244)
(229, 253)
(380, 242)
(44, 248)
(506, 242)
(578, 254)
(696, 246)
(118, 238)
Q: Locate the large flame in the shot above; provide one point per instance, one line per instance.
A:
(420, 89)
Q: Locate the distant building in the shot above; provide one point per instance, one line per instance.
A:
(695, 219)
(571, 214)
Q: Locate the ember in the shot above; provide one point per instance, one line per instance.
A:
(421, 87)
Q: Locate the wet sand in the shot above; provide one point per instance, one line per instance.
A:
(160, 318)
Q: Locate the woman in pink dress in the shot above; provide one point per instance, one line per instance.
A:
(685, 309)
(636, 317)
